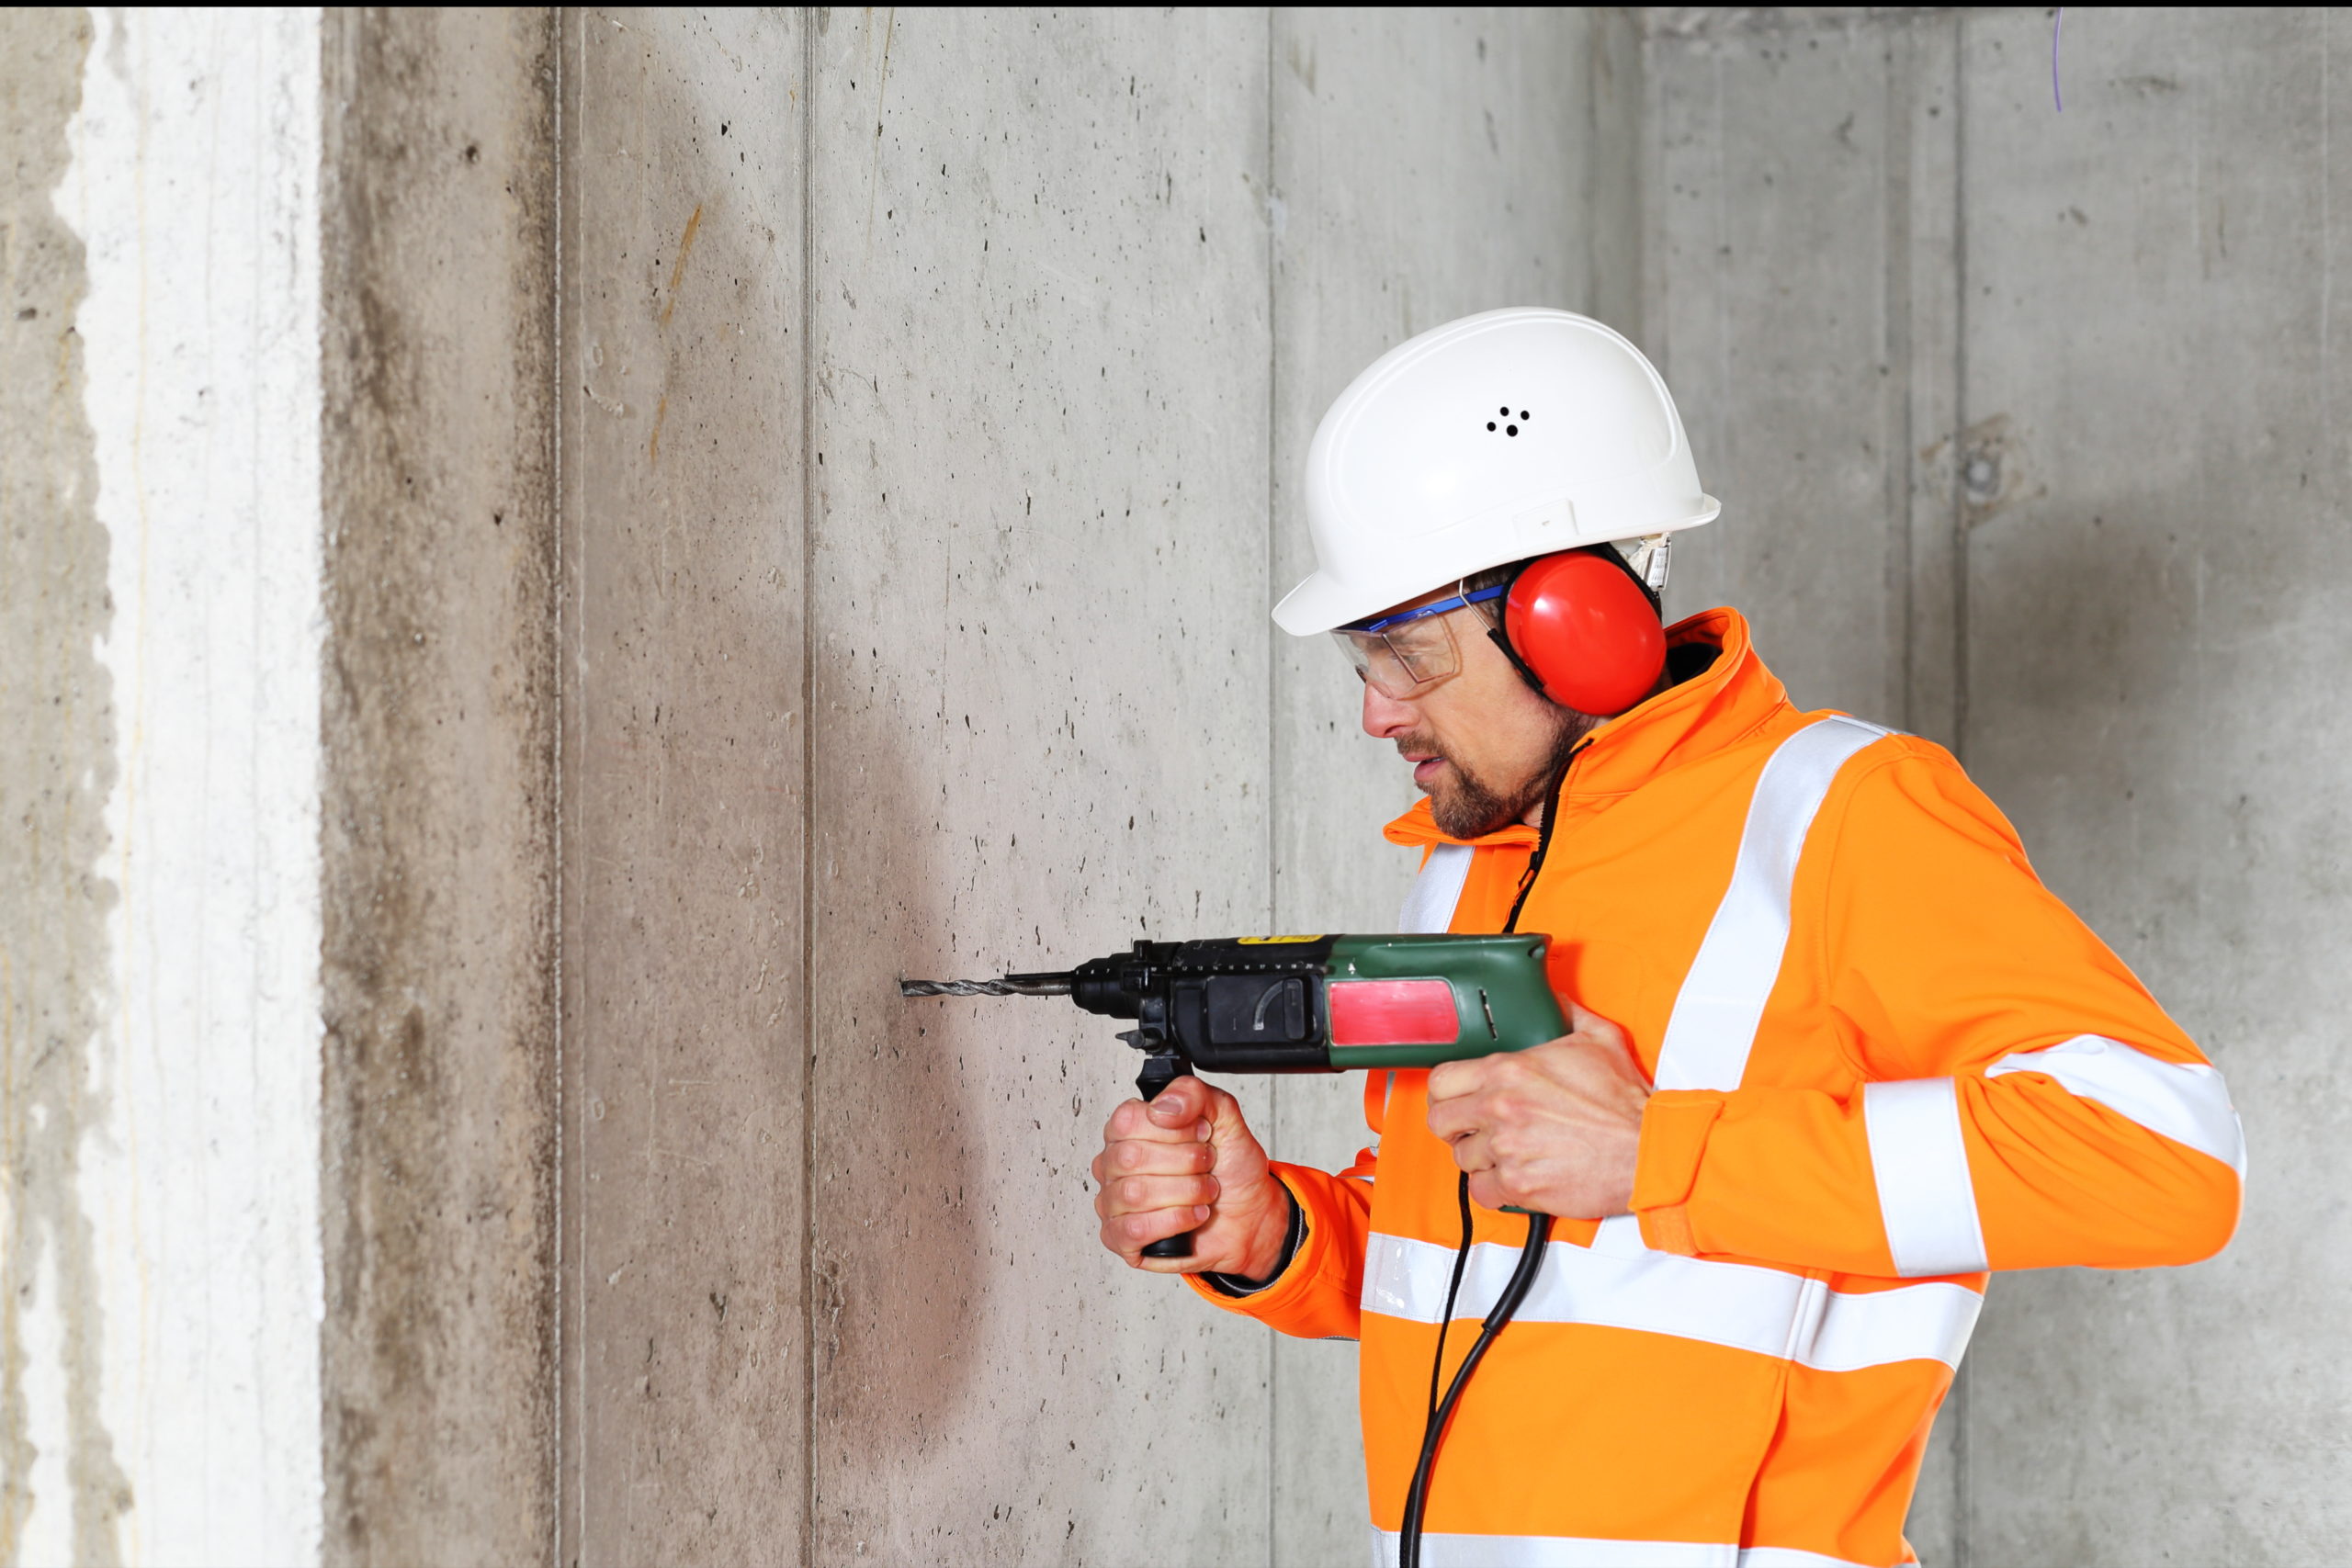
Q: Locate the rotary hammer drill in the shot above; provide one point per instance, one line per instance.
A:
(1321, 1004)
(1302, 1004)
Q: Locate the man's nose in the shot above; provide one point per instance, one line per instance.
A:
(1385, 716)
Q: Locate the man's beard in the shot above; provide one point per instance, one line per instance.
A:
(1474, 806)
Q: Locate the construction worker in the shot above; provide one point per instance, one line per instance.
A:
(1835, 1053)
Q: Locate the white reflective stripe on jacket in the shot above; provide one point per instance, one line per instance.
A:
(1564, 1552)
(1619, 1281)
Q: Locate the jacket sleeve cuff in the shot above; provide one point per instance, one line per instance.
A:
(1296, 1281)
(1293, 1240)
(1675, 1125)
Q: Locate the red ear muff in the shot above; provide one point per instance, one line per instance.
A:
(1586, 630)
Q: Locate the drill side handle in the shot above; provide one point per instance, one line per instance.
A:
(1161, 1069)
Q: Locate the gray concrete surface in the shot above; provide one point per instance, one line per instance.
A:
(57, 713)
(438, 795)
(799, 495)
(685, 1366)
(2157, 596)
(1059, 277)
(1038, 399)
(2044, 406)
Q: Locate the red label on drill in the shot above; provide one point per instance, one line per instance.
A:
(1393, 1013)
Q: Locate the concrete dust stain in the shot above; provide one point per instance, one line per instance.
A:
(660, 412)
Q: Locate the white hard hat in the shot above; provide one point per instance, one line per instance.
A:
(1489, 439)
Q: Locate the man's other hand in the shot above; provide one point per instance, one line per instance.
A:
(1552, 1129)
(1188, 1162)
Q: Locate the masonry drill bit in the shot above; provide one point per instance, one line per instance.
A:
(1055, 985)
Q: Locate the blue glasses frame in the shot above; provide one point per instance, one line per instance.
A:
(1457, 602)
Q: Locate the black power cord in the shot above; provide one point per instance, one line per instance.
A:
(1453, 1293)
(1522, 1279)
(1539, 1226)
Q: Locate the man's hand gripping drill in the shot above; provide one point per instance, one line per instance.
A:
(1554, 1129)
(1187, 1161)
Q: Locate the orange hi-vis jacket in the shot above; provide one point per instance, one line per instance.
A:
(1886, 1061)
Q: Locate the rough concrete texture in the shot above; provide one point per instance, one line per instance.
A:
(1402, 199)
(1038, 405)
(1810, 374)
(438, 722)
(56, 710)
(2157, 592)
(685, 1331)
(2065, 392)
(928, 394)
(1060, 274)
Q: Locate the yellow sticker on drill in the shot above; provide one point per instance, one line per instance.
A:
(1263, 940)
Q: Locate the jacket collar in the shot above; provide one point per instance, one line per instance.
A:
(1730, 700)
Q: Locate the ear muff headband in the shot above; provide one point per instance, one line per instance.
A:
(1586, 631)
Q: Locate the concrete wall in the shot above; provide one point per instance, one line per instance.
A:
(2025, 423)
(551, 559)
(276, 958)
(159, 869)
(921, 373)
(685, 1366)
(438, 830)
(546, 559)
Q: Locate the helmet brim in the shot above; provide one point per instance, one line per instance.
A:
(1323, 603)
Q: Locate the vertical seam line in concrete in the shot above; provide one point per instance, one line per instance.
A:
(1897, 166)
(561, 693)
(1273, 734)
(1959, 453)
(808, 800)
(1963, 1552)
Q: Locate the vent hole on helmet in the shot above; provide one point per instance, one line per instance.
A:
(1511, 430)
(1490, 424)
(1523, 416)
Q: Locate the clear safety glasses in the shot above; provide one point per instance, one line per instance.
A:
(1403, 655)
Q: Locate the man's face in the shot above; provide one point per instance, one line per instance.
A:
(1483, 746)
